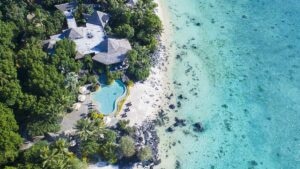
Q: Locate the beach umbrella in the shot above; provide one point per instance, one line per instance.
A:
(82, 89)
(76, 106)
(81, 98)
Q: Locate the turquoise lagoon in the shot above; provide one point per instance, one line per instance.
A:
(237, 63)
(107, 96)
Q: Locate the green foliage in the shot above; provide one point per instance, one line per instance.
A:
(92, 79)
(109, 152)
(9, 167)
(127, 146)
(112, 76)
(40, 88)
(89, 147)
(63, 59)
(124, 31)
(129, 83)
(10, 89)
(141, 26)
(7, 33)
(46, 88)
(110, 136)
(123, 127)
(85, 129)
(53, 156)
(79, 10)
(139, 62)
(65, 47)
(88, 63)
(145, 154)
(10, 140)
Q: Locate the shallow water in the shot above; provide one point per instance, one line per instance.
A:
(107, 96)
(238, 66)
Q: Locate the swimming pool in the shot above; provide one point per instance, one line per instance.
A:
(107, 97)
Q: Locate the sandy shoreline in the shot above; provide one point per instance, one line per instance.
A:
(148, 97)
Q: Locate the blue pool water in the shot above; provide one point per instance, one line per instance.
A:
(239, 69)
(107, 96)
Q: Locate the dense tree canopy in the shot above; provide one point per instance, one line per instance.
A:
(139, 64)
(10, 140)
(50, 156)
(43, 81)
(37, 87)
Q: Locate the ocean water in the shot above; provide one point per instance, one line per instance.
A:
(238, 66)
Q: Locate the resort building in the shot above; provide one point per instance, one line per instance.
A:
(91, 38)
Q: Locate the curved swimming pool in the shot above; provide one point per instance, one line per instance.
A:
(107, 97)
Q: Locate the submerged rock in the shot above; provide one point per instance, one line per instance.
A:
(179, 122)
(178, 165)
(178, 104)
(172, 106)
(170, 129)
(198, 127)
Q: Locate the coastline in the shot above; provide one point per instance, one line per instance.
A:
(149, 97)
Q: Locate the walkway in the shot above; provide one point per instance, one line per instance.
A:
(70, 119)
(70, 20)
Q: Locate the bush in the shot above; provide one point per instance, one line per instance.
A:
(83, 80)
(110, 78)
(145, 154)
(139, 64)
(127, 146)
(129, 83)
(92, 79)
(123, 127)
(108, 151)
(95, 115)
(124, 31)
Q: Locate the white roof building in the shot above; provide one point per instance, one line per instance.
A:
(91, 39)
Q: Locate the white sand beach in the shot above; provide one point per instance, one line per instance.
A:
(148, 97)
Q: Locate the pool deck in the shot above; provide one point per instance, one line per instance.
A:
(70, 119)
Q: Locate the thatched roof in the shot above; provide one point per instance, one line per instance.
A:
(113, 51)
(73, 33)
(97, 18)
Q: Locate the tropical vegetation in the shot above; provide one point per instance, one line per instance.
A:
(37, 87)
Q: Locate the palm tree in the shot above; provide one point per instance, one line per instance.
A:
(48, 156)
(61, 146)
(85, 129)
(56, 156)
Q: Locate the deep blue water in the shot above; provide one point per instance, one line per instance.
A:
(239, 68)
